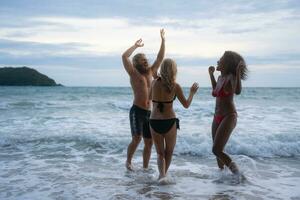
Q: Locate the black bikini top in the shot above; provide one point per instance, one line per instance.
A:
(165, 101)
(160, 104)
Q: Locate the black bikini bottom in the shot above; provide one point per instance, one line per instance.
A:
(162, 126)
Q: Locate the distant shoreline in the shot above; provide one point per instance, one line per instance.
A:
(65, 86)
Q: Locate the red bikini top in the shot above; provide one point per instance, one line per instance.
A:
(221, 92)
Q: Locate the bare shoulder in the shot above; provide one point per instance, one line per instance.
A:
(177, 87)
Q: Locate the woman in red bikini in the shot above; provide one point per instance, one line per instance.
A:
(233, 69)
(163, 121)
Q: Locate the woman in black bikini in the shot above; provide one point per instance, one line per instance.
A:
(233, 69)
(163, 121)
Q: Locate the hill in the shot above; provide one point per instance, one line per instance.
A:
(24, 76)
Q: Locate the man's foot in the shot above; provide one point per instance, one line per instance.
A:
(128, 166)
(221, 169)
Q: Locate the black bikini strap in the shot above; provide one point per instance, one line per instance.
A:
(162, 101)
(160, 106)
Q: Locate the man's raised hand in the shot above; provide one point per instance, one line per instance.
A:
(139, 43)
(162, 34)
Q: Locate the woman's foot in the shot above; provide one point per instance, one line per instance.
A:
(161, 176)
(163, 180)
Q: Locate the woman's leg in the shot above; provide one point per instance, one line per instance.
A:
(147, 151)
(214, 127)
(170, 138)
(160, 150)
(222, 135)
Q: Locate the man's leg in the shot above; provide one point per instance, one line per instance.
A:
(131, 149)
(136, 130)
(148, 142)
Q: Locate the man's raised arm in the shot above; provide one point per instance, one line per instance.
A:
(125, 56)
(160, 55)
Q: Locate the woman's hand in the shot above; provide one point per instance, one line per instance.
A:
(194, 88)
(162, 34)
(211, 70)
(139, 43)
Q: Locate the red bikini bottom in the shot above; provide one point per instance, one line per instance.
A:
(219, 118)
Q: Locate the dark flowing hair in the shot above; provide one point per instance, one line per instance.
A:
(231, 61)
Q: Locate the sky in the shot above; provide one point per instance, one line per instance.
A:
(80, 43)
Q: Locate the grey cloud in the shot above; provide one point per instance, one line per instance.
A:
(73, 61)
(38, 48)
(141, 9)
(19, 14)
(93, 61)
(238, 30)
(51, 54)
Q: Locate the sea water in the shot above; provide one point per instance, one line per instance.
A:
(71, 143)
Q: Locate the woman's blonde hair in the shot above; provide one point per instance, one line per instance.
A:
(168, 71)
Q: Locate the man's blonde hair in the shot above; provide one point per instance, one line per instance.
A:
(136, 57)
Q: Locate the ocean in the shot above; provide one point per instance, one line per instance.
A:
(71, 142)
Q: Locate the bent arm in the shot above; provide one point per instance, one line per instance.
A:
(211, 71)
(126, 61)
(179, 93)
(213, 81)
(125, 56)
(238, 83)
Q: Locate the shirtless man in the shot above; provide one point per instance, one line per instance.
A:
(140, 79)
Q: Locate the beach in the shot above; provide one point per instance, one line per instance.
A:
(71, 143)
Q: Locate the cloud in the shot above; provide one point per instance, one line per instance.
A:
(92, 35)
(215, 25)
(72, 61)
(35, 48)
(86, 77)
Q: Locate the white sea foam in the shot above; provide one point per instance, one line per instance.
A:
(70, 143)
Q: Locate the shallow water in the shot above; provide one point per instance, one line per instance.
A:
(70, 143)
